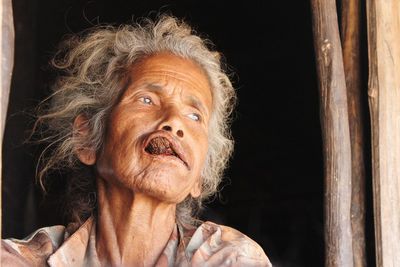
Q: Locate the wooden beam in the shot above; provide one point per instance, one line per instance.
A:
(335, 133)
(7, 63)
(384, 100)
(350, 36)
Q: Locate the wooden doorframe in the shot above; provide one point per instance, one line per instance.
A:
(338, 113)
(384, 101)
(7, 63)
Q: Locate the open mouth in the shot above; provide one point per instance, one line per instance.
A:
(160, 145)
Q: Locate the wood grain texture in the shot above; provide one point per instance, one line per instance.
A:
(384, 100)
(335, 132)
(7, 63)
(350, 37)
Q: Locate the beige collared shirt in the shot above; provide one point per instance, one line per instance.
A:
(208, 245)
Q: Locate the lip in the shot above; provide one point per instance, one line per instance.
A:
(175, 146)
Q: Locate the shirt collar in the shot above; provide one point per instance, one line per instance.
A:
(79, 249)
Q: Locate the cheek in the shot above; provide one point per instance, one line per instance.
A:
(127, 127)
(124, 142)
(200, 147)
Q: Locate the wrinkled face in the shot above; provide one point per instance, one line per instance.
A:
(157, 136)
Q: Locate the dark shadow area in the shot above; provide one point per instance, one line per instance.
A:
(274, 186)
(369, 216)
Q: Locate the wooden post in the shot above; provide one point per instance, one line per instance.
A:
(335, 132)
(384, 100)
(351, 27)
(7, 63)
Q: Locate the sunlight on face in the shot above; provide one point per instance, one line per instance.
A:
(157, 137)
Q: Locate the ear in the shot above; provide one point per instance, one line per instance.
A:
(196, 189)
(80, 130)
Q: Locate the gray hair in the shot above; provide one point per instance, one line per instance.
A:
(94, 67)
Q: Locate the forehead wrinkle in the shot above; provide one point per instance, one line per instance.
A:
(179, 76)
(161, 75)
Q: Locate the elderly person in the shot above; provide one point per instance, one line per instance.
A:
(141, 116)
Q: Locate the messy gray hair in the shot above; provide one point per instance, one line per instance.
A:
(94, 68)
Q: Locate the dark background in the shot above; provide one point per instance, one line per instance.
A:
(273, 190)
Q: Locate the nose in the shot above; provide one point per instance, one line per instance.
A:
(172, 122)
(169, 129)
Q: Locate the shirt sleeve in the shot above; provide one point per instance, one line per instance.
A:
(217, 245)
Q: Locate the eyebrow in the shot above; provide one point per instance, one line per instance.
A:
(193, 101)
(153, 87)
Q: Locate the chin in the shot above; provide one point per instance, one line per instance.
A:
(163, 184)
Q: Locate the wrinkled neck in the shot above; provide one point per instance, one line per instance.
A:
(132, 228)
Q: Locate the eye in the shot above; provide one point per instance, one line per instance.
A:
(146, 100)
(194, 116)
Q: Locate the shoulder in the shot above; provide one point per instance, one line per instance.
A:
(218, 245)
(34, 249)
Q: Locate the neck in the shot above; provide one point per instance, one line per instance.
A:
(132, 228)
